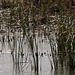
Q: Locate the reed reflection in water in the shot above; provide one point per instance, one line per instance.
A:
(21, 61)
(36, 41)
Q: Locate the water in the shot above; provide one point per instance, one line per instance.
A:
(19, 64)
(7, 64)
(11, 67)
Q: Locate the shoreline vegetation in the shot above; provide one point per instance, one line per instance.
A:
(59, 3)
(50, 16)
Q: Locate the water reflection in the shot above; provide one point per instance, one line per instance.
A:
(28, 53)
(22, 56)
(16, 64)
(65, 71)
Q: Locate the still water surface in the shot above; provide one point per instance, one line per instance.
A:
(10, 67)
(9, 63)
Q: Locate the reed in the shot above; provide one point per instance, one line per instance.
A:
(45, 16)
